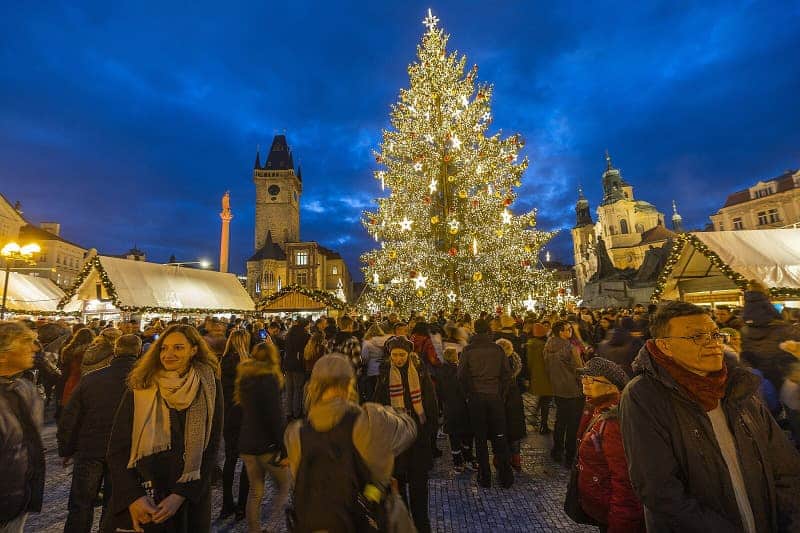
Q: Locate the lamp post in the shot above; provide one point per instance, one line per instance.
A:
(203, 264)
(14, 252)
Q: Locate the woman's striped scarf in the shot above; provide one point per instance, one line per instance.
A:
(396, 395)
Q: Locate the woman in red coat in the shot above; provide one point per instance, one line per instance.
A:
(71, 359)
(604, 488)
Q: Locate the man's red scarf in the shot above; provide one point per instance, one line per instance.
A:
(705, 390)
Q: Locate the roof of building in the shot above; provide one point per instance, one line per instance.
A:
(12, 208)
(785, 182)
(280, 156)
(656, 234)
(327, 252)
(270, 250)
(35, 233)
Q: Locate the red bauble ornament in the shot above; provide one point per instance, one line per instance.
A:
(371, 262)
(507, 202)
(474, 203)
(561, 290)
(452, 251)
(373, 221)
(412, 274)
(526, 262)
(378, 159)
(426, 200)
(448, 158)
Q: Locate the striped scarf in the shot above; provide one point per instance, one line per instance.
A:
(396, 393)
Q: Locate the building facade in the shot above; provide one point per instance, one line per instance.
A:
(60, 260)
(11, 222)
(281, 258)
(773, 203)
(625, 226)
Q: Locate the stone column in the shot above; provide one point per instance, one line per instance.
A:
(224, 241)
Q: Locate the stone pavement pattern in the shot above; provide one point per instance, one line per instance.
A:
(457, 504)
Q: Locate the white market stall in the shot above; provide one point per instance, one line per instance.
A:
(713, 267)
(110, 287)
(30, 295)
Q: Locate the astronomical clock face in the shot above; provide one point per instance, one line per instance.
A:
(273, 190)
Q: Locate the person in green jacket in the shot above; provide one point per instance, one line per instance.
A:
(540, 385)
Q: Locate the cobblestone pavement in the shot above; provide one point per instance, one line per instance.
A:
(533, 504)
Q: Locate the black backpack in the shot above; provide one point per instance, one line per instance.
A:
(328, 491)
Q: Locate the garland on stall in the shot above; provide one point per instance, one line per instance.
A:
(315, 294)
(684, 239)
(94, 263)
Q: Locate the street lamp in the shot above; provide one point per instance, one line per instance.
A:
(203, 263)
(14, 252)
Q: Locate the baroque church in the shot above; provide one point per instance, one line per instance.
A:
(281, 258)
(626, 229)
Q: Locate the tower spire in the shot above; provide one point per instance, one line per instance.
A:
(583, 217)
(677, 220)
(258, 157)
(609, 166)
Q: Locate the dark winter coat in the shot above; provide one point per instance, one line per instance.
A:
(484, 367)
(71, 358)
(263, 420)
(21, 450)
(603, 483)
(296, 339)
(677, 469)
(515, 409)
(163, 468)
(562, 367)
(622, 348)
(233, 414)
(419, 457)
(453, 400)
(760, 349)
(85, 423)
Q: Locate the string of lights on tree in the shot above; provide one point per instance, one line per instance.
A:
(323, 297)
(686, 239)
(447, 236)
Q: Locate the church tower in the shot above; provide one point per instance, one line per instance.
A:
(677, 219)
(278, 191)
(583, 241)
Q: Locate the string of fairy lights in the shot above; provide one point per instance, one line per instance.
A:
(445, 231)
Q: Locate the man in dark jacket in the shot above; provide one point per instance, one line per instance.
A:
(296, 339)
(84, 429)
(485, 374)
(704, 453)
(21, 414)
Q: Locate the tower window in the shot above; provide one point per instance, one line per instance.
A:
(639, 228)
(301, 258)
(623, 226)
(334, 270)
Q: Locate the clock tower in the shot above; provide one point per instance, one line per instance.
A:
(278, 191)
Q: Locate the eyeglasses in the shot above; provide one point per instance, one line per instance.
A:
(704, 339)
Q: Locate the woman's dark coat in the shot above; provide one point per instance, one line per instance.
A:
(677, 469)
(263, 420)
(164, 469)
(453, 400)
(419, 456)
(233, 414)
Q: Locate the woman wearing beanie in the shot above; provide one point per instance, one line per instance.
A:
(515, 410)
(236, 352)
(258, 392)
(405, 385)
(99, 353)
(163, 445)
(604, 488)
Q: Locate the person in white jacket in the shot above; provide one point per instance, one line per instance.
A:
(372, 355)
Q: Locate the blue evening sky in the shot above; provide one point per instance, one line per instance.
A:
(126, 121)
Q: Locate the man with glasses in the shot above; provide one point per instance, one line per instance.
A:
(704, 453)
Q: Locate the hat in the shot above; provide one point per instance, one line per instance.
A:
(401, 343)
(481, 326)
(758, 310)
(111, 334)
(507, 322)
(599, 367)
(128, 345)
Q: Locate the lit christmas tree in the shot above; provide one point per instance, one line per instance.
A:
(447, 235)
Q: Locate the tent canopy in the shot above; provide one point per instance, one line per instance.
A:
(30, 294)
(723, 261)
(297, 298)
(151, 287)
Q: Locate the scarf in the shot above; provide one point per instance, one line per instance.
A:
(705, 390)
(396, 395)
(151, 432)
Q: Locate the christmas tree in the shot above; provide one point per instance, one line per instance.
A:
(447, 235)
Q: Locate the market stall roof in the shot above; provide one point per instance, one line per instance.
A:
(139, 286)
(295, 298)
(725, 260)
(31, 294)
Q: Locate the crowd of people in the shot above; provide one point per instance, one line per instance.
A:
(669, 418)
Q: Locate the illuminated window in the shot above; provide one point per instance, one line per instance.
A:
(334, 270)
(301, 258)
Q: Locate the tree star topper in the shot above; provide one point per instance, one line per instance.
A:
(430, 21)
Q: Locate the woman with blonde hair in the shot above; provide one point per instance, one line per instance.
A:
(259, 381)
(163, 445)
(237, 350)
(324, 497)
(315, 348)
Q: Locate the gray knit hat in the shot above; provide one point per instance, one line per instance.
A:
(599, 367)
(128, 345)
